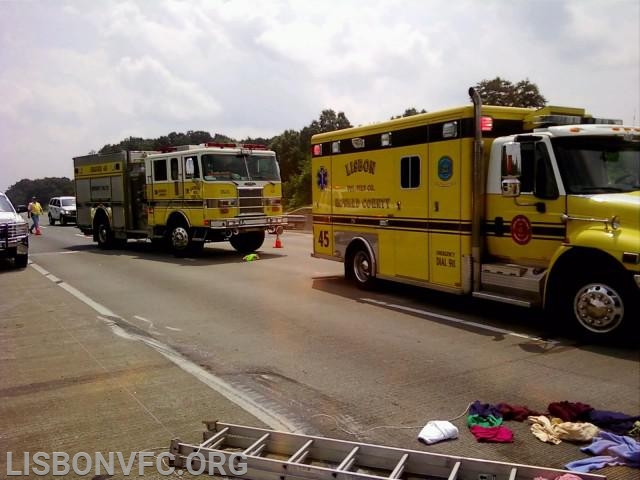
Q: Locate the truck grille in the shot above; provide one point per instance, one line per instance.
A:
(12, 232)
(250, 201)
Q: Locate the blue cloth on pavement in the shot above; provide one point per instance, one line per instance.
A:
(484, 409)
(612, 450)
(616, 422)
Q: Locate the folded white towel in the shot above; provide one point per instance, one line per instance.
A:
(437, 430)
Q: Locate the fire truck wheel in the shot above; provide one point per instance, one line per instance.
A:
(179, 239)
(247, 242)
(359, 268)
(105, 235)
(601, 306)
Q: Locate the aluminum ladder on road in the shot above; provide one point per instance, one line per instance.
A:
(275, 455)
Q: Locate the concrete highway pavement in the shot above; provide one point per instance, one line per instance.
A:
(306, 350)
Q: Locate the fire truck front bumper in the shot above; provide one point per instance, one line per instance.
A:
(249, 222)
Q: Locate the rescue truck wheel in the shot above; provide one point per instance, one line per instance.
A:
(600, 306)
(359, 268)
(247, 242)
(104, 234)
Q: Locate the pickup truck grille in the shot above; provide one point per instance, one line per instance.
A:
(250, 201)
(10, 233)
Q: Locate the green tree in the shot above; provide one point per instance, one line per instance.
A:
(44, 188)
(409, 112)
(290, 155)
(499, 91)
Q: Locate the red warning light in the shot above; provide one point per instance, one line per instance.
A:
(486, 124)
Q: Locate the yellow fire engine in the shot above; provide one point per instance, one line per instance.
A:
(523, 206)
(183, 196)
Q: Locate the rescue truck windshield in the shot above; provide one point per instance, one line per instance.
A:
(598, 165)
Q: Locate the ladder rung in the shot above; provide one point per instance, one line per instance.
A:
(254, 445)
(512, 474)
(399, 468)
(454, 471)
(214, 437)
(301, 453)
(348, 460)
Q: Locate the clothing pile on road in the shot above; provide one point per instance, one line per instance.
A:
(611, 433)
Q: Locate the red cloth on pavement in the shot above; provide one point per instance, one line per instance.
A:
(569, 411)
(518, 413)
(497, 434)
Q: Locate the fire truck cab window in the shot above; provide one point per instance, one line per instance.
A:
(410, 172)
(160, 170)
(174, 169)
(191, 167)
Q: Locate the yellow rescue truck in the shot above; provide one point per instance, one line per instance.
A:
(516, 205)
(181, 196)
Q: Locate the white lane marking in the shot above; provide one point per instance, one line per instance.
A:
(174, 329)
(144, 320)
(451, 319)
(83, 236)
(51, 253)
(241, 398)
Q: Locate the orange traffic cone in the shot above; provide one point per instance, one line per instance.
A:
(278, 243)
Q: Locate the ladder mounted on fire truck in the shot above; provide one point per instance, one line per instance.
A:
(275, 455)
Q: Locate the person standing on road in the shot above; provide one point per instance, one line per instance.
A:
(34, 211)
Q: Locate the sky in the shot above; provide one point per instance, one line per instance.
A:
(76, 75)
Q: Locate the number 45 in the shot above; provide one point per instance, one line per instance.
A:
(323, 238)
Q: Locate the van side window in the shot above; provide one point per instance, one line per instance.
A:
(410, 172)
(160, 170)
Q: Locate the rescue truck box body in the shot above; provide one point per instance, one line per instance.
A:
(478, 200)
(182, 196)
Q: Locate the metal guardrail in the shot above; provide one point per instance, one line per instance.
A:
(298, 222)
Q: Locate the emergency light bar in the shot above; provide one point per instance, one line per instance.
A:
(557, 120)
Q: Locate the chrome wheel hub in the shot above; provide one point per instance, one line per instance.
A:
(598, 308)
(179, 238)
(362, 267)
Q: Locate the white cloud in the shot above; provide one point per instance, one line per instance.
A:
(76, 75)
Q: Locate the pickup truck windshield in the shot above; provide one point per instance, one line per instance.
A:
(240, 167)
(5, 205)
(598, 164)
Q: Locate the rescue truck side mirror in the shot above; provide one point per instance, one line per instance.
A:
(511, 169)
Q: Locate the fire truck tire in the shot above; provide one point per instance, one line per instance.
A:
(179, 239)
(600, 305)
(358, 268)
(247, 242)
(104, 234)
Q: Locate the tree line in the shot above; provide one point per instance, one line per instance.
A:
(292, 147)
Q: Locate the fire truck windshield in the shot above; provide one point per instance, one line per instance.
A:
(217, 166)
(598, 164)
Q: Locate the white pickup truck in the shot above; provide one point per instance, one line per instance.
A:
(14, 234)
